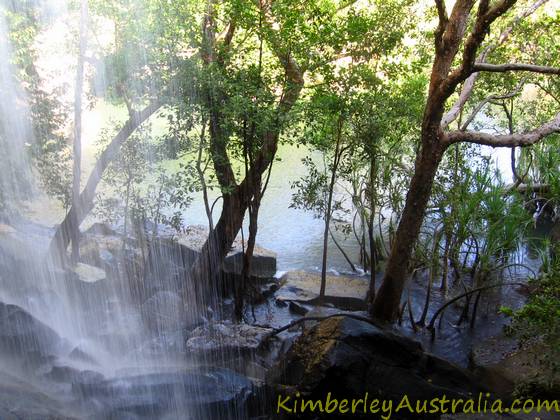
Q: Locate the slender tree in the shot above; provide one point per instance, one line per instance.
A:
(77, 134)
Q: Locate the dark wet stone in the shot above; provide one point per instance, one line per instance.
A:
(189, 394)
(164, 311)
(25, 338)
(67, 374)
(268, 289)
(100, 229)
(224, 338)
(281, 303)
(297, 309)
(20, 400)
(79, 355)
(348, 358)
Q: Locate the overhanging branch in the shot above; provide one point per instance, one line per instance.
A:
(469, 83)
(509, 140)
(501, 68)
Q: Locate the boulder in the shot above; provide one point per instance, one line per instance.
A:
(87, 286)
(67, 374)
(26, 339)
(223, 338)
(213, 393)
(503, 364)
(21, 400)
(102, 229)
(348, 358)
(89, 274)
(100, 250)
(344, 292)
(79, 355)
(297, 308)
(263, 264)
(164, 311)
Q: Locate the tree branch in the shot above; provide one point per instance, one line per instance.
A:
(443, 20)
(84, 204)
(509, 140)
(484, 19)
(491, 98)
(468, 86)
(501, 68)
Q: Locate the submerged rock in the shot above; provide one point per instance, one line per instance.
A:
(348, 358)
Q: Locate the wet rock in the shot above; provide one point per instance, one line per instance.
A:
(214, 393)
(348, 357)
(164, 311)
(101, 229)
(297, 309)
(221, 338)
(86, 285)
(89, 274)
(20, 400)
(281, 303)
(263, 264)
(502, 364)
(100, 250)
(77, 354)
(344, 292)
(25, 338)
(268, 289)
(67, 374)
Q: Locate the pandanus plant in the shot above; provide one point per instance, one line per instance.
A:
(475, 227)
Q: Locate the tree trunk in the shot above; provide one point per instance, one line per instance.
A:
(241, 285)
(387, 301)
(328, 212)
(372, 250)
(202, 276)
(81, 208)
(77, 159)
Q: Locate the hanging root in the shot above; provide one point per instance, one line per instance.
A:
(277, 331)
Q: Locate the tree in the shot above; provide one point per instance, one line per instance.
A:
(299, 39)
(135, 75)
(452, 65)
(30, 135)
(77, 132)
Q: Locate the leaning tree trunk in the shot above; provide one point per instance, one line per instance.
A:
(81, 208)
(387, 300)
(201, 288)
